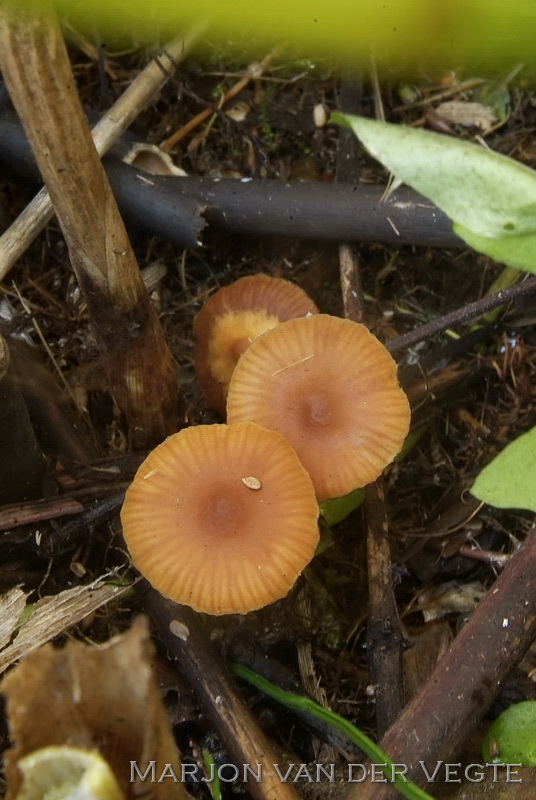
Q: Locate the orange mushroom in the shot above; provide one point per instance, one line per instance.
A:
(222, 518)
(330, 387)
(232, 318)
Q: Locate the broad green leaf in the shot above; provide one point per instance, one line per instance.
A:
(489, 194)
(517, 251)
(512, 737)
(509, 481)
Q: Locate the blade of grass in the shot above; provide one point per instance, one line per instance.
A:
(356, 736)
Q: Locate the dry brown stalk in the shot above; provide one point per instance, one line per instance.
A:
(19, 236)
(138, 363)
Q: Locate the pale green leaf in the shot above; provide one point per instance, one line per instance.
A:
(489, 194)
(517, 251)
(509, 481)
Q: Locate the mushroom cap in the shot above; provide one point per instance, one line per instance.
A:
(222, 518)
(330, 387)
(232, 318)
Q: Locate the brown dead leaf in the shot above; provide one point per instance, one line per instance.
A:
(101, 699)
(467, 114)
(450, 597)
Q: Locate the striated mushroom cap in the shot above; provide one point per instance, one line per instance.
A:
(232, 318)
(222, 518)
(330, 387)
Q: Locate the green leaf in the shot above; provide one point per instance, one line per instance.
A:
(490, 194)
(512, 737)
(489, 197)
(517, 251)
(509, 481)
(335, 509)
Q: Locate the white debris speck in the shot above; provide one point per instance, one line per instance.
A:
(252, 483)
(179, 629)
(320, 115)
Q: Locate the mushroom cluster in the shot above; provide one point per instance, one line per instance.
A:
(224, 517)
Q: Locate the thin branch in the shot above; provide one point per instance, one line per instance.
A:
(462, 315)
(185, 638)
(468, 678)
(348, 172)
(17, 514)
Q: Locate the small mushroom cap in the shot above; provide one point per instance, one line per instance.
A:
(330, 387)
(232, 318)
(222, 518)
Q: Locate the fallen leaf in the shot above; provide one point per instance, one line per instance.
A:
(469, 115)
(99, 699)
